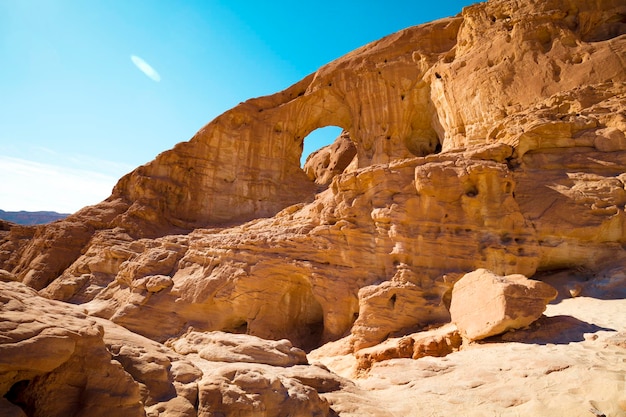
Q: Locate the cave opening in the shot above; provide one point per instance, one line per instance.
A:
(304, 324)
(17, 395)
(239, 326)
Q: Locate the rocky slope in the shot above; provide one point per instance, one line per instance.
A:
(494, 139)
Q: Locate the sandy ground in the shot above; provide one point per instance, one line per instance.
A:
(571, 363)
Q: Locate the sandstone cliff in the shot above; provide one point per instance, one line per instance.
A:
(494, 139)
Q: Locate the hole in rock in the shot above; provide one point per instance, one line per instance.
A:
(317, 139)
(313, 339)
(424, 142)
(471, 192)
(15, 394)
(240, 327)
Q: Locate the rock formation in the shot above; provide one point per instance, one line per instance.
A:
(55, 361)
(437, 342)
(494, 139)
(484, 304)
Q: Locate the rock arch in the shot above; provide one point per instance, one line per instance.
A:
(329, 161)
(246, 163)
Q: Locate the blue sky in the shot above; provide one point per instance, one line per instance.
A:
(77, 112)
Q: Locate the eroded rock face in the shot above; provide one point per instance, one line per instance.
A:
(56, 361)
(234, 390)
(485, 304)
(494, 139)
(228, 347)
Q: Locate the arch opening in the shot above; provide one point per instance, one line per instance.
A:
(318, 139)
(334, 151)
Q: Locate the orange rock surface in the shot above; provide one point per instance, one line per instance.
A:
(484, 304)
(494, 139)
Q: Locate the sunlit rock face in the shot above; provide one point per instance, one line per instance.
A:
(485, 304)
(493, 139)
(56, 361)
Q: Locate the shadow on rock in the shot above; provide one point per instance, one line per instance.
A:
(556, 330)
(608, 284)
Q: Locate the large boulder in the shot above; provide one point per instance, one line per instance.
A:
(485, 304)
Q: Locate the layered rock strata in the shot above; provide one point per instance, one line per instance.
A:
(56, 361)
(530, 178)
(493, 139)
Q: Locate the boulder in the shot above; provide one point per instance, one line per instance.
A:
(437, 342)
(485, 304)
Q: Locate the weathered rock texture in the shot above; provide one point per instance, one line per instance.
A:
(226, 347)
(485, 304)
(493, 139)
(437, 342)
(56, 361)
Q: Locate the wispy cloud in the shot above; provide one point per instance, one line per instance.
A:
(145, 68)
(76, 160)
(34, 186)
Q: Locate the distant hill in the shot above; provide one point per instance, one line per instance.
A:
(31, 217)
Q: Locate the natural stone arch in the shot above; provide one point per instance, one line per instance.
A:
(246, 163)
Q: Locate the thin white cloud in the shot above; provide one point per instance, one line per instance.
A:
(145, 68)
(34, 186)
